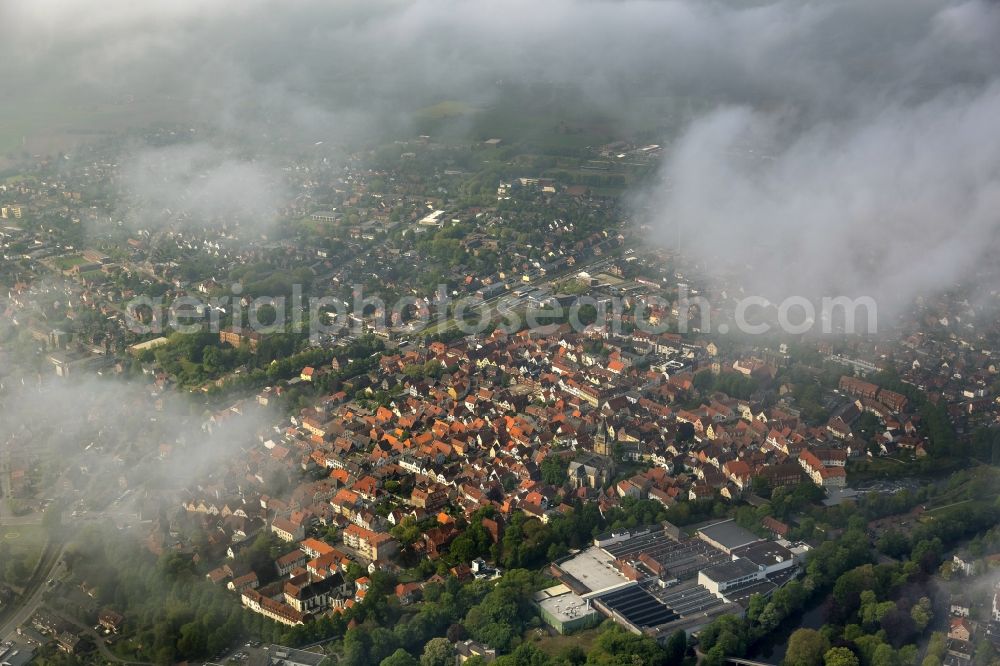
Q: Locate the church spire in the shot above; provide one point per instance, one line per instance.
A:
(602, 445)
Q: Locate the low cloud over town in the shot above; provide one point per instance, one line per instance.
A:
(798, 134)
(427, 332)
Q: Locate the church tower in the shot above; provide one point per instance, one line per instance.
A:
(603, 441)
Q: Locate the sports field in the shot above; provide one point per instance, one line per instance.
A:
(23, 541)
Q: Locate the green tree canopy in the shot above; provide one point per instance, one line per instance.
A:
(840, 656)
(806, 647)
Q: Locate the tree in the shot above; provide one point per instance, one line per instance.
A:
(553, 470)
(193, 639)
(806, 647)
(407, 531)
(383, 642)
(922, 613)
(899, 627)
(867, 645)
(937, 647)
(527, 654)
(357, 644)
(615, 645)
(574, 655)
(704, 381)
(761, 487)
(354, 571)
(399, 658)
(840, 656)
(677, 647)
(884, 655)
(927, 553)
(985, 654)
(721, 633)
(498, 620)
(437, 652)
(456, 632)
(714, 657)
(894, 544)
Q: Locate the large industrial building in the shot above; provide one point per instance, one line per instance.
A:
(727, 536)
(657, 581)
(564, 610)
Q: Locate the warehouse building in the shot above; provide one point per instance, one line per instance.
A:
(727, 536)
(565, 611)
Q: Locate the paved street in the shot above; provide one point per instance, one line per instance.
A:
(31, 599)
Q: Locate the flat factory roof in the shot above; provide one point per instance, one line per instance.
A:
(727, 571)
(764, 553)
(566, 607)
(728, 534)
(593, 568)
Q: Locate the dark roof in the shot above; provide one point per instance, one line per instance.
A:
(731, 570)
(764, 553)
(729, 534)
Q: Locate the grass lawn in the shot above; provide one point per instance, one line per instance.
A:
(94, 276)
(861, 471)
(24, 541)
(68, 262)
(546, 640)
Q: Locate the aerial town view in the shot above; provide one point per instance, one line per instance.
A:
(456, 332)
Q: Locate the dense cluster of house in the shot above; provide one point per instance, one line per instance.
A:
(528, 422)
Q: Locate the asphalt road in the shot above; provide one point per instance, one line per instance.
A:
(10, 521)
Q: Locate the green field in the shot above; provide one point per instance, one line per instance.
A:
(554, 644)
(68, 262)
(22, 541)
